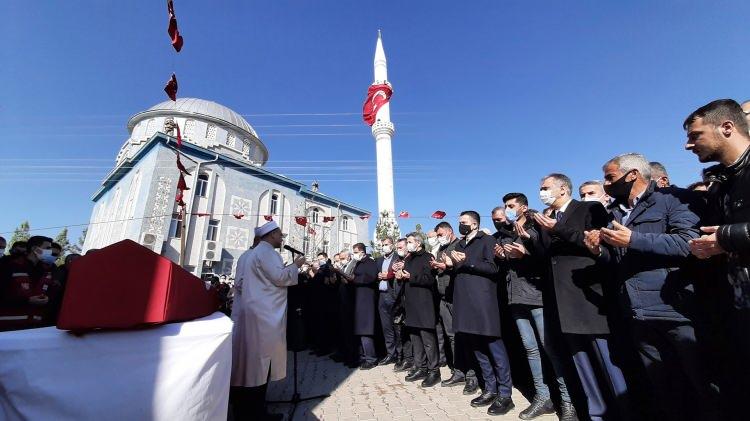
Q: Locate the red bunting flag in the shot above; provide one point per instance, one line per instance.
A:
(172, 30)
(178, 198)
(403, 214)
(171, 88)
(181, 184)
(301, 220)
(238, 215)
(328, 218)
(268, 218)
(365, 217)
(438, 215)
(311, 231)
(180, 166)
(377, 96)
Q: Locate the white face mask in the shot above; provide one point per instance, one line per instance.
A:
(387, 249)
(401, 253)
(592, 199)
(358, 256)
(546, 197)
(411, 247)
(432, 241)
(443, 240)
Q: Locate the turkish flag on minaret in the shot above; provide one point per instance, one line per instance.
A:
(377, 96)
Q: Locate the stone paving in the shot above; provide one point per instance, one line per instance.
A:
(377, 394)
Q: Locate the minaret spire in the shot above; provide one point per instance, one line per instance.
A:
(382, 131)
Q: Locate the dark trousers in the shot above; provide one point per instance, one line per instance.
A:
(424, 344)
(367, 349)
(248, 403)
(347, 342)
(492, 358)
(670, 354)
(386, 303)
(735, 370)
(602, 381)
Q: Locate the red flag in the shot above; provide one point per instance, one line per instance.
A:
(174, 33)
(403, 214)
(238, 215)
(178, 198)
(311, 231)
(328, 218)
(268, 218)
(438, 215)
(181, 184)
(365, 217)
(301, 220)
(171, 88)
(180, 166)
(377, 96)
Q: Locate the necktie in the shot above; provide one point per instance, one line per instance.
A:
(558, 215)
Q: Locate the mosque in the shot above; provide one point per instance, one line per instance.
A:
(230, 192)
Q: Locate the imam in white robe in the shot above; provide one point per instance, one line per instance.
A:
(259, 315)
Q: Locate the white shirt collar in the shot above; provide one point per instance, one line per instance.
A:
(565, 206)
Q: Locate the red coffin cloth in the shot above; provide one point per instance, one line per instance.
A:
(126, 285)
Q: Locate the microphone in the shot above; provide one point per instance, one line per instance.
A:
(292, 249)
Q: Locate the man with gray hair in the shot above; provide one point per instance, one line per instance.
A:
(659, 174)
(647, 248)
(593, 191)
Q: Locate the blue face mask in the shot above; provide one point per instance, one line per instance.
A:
(47, 257)
(511, 215)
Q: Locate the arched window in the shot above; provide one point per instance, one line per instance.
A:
(189, 129)
(274, 204)
(211, 133)
(345, 224)
(315, 215)
(201, 187)
(231, 140)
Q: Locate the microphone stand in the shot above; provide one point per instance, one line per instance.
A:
(296, 398)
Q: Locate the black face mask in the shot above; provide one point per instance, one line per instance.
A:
(501, 226)
(464, 229)
(620, 189)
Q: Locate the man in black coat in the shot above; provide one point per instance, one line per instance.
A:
(403, 346)
(477, 314)
(421, 311)
(718, 131)
(579, 302)
(387, 300)
(447, 242)
(364, 278)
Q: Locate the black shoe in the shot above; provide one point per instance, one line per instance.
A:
(538, 407)
(501, 406)
(405, 366)
(472, 385)
(433, 378)
(456, 379)
(367, 365)
(484, 399)
(415, 375)
(388, 360)
(568, 412)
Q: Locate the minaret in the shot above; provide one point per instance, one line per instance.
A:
(382, 131)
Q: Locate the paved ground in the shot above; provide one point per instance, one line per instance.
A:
(377, 394)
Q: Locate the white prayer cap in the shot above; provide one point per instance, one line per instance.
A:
(266, 228)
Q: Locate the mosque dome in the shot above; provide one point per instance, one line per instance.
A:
(204, 123)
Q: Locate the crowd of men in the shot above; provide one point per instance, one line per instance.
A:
(637, 296)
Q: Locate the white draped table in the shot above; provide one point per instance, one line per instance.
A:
(178, 371)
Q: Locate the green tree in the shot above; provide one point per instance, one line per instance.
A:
(62, 240)
(21, 233)
(78, 247)
(386, 227)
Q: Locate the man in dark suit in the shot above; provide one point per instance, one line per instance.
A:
(647, 244)
(578, 295)
(387, 300)
(476, 315)
(364, 278)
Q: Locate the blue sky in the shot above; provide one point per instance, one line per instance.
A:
(489, 95)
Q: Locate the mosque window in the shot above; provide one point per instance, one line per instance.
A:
(231, 140)
(345, 224)
(175, 228)
(245, 147)
(325, 247)
(201, 187)
(274, 204)
(211, 132)
(315, 215)
(189, 128)
(213, 230)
